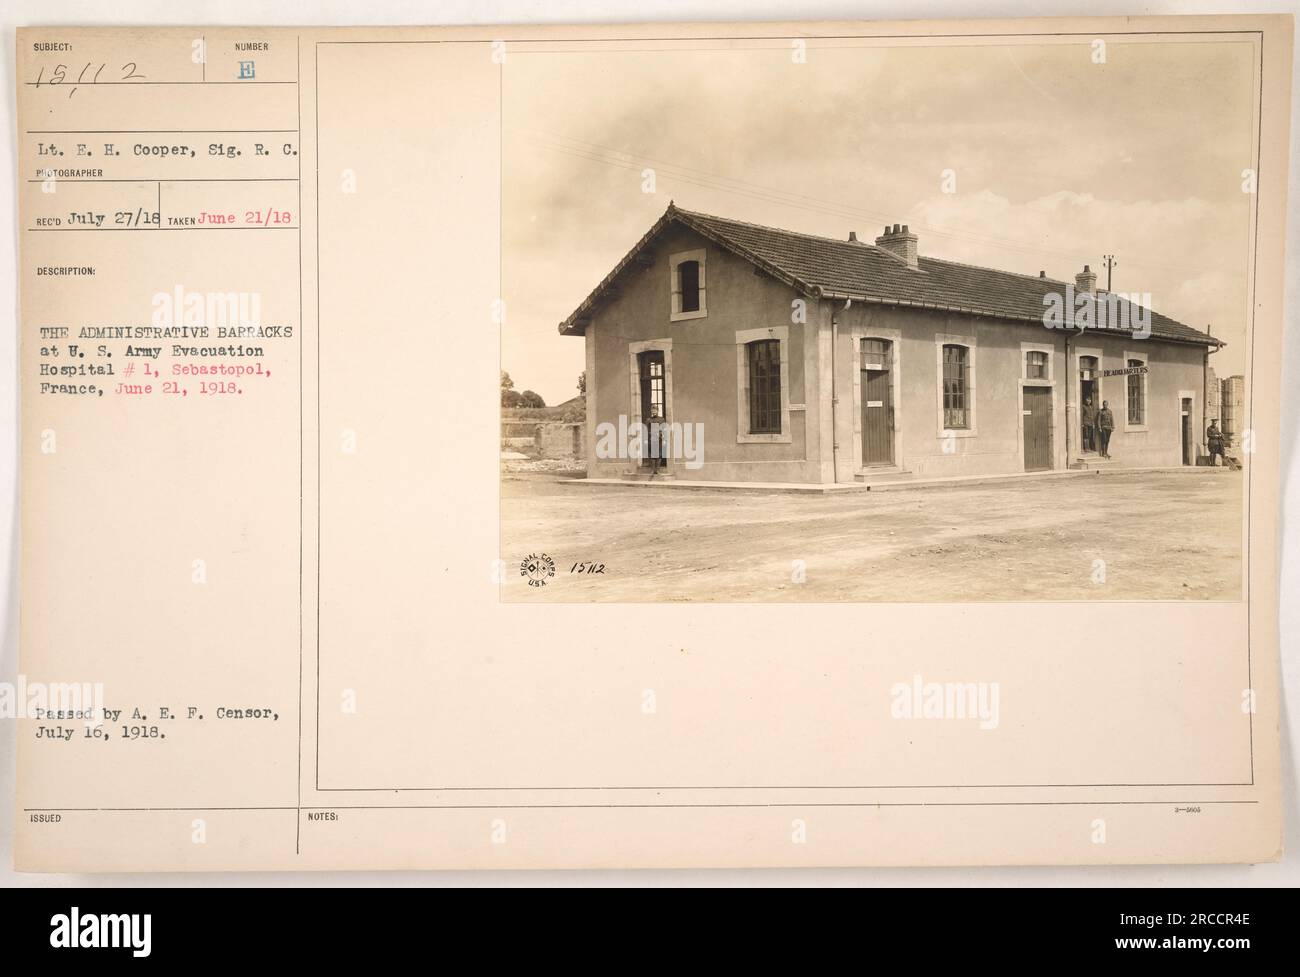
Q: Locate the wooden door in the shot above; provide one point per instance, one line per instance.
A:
(877, 402)
(1037, 412)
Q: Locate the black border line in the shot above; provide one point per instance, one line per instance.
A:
(1258, 34)
(316, 231)
(297, 843)
(1250, 379)
(761, 37)
(493, 807)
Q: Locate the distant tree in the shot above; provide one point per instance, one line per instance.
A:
(582, 383)
(509, 397)
(530, 399)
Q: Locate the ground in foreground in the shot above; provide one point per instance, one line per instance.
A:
(1123, 536)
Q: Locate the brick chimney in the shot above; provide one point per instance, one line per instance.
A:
(1085, 282)
(900, 241)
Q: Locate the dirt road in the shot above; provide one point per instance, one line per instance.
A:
(1162, 535)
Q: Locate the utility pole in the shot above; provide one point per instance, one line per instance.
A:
(1110, 261)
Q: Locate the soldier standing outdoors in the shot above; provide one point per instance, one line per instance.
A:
(1105, 425)
(1214, 442)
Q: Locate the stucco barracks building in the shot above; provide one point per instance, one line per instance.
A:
(812, 360)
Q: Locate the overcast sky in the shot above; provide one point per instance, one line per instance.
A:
(1057, 161)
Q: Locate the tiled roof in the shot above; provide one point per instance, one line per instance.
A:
(819, 266)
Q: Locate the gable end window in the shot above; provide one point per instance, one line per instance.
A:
(764, 359)
(687, 281)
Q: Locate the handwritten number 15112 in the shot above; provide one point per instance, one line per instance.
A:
(60, 75)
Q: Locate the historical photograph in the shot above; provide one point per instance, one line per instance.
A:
(854, 322)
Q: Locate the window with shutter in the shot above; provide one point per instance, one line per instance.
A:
(764, 359)
(956, 385)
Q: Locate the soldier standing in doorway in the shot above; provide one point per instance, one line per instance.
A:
(1089, 418)
(1105, 424)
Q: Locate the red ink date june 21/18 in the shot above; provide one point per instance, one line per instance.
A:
(268, 217)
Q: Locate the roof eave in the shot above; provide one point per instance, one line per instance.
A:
(1208, 340)
(576, 324)
(780, 274)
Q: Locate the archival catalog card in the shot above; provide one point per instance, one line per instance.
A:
(709, 445)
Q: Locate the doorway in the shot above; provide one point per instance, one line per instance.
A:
(1089, 402)
(1185, 424)
(650, 368)
(1037, 413)
(877, 383)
